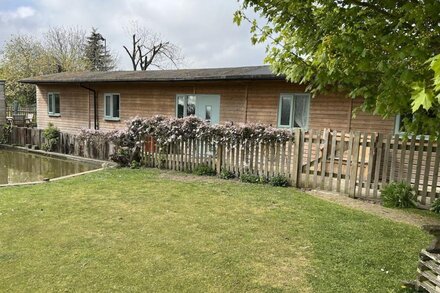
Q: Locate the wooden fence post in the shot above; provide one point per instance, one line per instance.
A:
(354, 165)
(219, 158)
(296, 172)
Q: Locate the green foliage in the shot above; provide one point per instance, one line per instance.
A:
(204, 170)
(435, 206)
(398, 195)
(97, 55)
(250, 178)
(51, 135)
(60, 50)
(421, 97)
(22, 56)
(264, 180)
(5, 133)
(279, 180)
(135, 165)
(372, 49)
(121, 157)
(226, 174)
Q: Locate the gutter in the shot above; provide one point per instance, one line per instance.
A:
(159, 80)
(95, 106)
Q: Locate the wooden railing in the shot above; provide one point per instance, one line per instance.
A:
(68, 143)
(355, 164)
(22, 115)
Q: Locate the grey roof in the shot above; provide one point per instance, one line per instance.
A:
(209, 74)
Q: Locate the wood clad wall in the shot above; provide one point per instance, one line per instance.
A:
(74, 107)
(253, 101)
(369, 122)
(263, 100)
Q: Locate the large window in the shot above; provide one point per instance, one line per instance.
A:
(111, 106)
(53, 104)
(293, 111)
(186, 105)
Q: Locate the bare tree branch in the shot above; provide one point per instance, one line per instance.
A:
(149, 49)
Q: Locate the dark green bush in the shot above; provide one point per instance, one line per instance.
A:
(5, 133)
(226, 174)
(279, 180)
(204, 170)
(52, 136)
(121, 157)
(398, 195)
(250, 178)
(135, 164)
(435, 207)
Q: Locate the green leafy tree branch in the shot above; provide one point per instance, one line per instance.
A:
(370, 49)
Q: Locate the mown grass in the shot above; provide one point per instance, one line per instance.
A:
(140, 231)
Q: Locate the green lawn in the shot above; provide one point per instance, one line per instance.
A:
(144, 230)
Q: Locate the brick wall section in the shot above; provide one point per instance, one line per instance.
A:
(240, 101)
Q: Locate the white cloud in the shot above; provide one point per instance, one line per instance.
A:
(203, 29)
(19, 13)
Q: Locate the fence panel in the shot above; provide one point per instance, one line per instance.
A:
(353, 164)
(68, 144)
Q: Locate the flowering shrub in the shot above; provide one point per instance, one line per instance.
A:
(95, 137)
(166, 130)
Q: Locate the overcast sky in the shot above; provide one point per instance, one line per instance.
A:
(202, 28)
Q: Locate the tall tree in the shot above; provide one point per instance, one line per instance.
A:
(369, 48)
(97, 55)
(66, 47)
(23, 56)
(148, 50)
(60, 49)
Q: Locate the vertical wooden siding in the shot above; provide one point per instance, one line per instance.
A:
(241, 102)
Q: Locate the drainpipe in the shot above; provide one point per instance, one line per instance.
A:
(95, 106)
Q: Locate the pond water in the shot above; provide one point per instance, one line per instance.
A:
(18, 167)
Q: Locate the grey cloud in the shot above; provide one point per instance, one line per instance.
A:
(202, 28)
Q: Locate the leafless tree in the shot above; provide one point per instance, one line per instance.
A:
(67, 47)
(150, 50)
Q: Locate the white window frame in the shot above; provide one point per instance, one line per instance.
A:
(51, 102)
(292, 109)
(112, 117)
(397, 125)
(185, 103)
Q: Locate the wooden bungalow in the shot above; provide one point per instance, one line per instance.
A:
(356, 156)
(104, 100)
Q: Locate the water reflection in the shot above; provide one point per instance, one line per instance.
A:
(18, 167)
